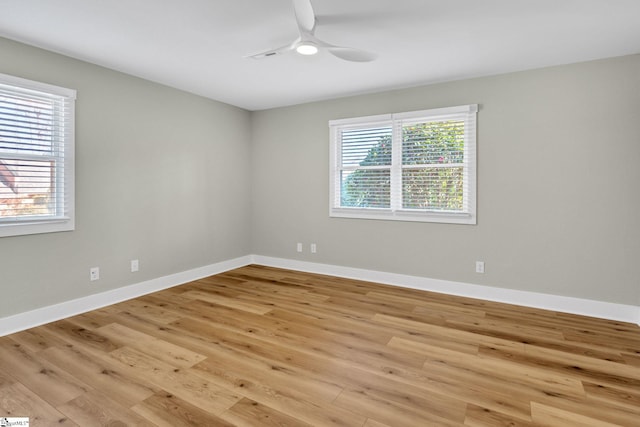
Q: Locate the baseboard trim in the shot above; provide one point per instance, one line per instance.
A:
(585, 307)
(40, 316)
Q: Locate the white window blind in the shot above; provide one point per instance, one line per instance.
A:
(417, 166)
(36, 157)
(366, 166)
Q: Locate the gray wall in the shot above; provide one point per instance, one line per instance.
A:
(161, 176)
(558, 177)
(178, 181)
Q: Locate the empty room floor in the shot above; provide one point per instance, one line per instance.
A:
(260, 346)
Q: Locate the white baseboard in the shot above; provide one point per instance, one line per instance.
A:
(585, 307)
(40, 316)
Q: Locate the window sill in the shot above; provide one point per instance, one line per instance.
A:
(403, 215)
(8, 228)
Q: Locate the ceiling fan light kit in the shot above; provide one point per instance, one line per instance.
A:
(307, 49)
(308, 44)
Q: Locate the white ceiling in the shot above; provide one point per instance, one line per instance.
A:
(200, 45)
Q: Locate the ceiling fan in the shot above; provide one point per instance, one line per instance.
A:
(308, 44)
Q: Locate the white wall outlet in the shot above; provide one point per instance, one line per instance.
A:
(479, 266)
(299, 247)
(135, 265)
(313, 248)
(94, 273)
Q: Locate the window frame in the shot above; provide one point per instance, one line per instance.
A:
(64, 149)
(468, 113)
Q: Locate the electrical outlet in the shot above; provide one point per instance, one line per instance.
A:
(313, 248)
(299, 247)
(94, 273)
(479, 266)
(135, 265)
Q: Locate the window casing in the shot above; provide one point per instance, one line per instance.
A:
(36, 157)
(415, 166)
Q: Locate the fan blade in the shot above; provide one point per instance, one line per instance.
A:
(352, 54)
(305, 16)
(272, 52)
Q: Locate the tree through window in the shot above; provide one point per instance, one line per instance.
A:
(417, 166)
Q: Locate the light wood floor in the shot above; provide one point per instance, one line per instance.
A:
(267, 347)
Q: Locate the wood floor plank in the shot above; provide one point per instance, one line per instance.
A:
(589, 362)
(37, 339)
(163, 350)
(282, 290)
(243, 356)
(38, 374)
(227, 301)
(346, 373)
(166, 410)
(321, 341)
(424, 307)
(92, 319)
(373, 423)
(477, 416)
(631, 359)
(629, 400)
(348, 328)
(96, 409)
(5, 378)
(510, 331)
(497, 368)
(546, 319)
(575, 366)
(410, 413)
(501, 396)
(624, 342)
(248, 413)
(167, 297)
(183, 383)
(153, 311)
(550, 416)
(286, 401)
(100, 373)
(263, 346)
(71, 332)
(16, 400)
(350, 374)
(425, 332)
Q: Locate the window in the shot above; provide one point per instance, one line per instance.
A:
(36, 157)
(417, 166)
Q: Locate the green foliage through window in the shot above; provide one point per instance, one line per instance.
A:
(408, 165)
(435, 150)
